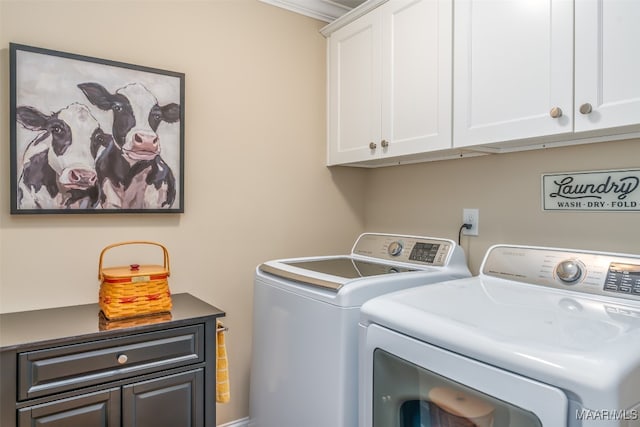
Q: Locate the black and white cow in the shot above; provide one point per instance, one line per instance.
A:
(58, 167)
(131, 172)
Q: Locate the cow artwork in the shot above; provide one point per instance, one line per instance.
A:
(130, 171)
(58, 168)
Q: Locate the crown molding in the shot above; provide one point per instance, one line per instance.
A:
(324, 10)
(351, 16)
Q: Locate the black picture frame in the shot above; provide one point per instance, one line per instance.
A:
(90, 135)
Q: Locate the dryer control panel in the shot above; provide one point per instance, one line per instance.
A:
(623, 278)
(609, 274)
(405, 249)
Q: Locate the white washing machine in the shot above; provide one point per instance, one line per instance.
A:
(542, 337)
(304, 370)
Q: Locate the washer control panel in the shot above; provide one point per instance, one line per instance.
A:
(609, 274)
(426, 251)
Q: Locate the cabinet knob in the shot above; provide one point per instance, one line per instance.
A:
(373, 145)
(586, 108)
(384, 143)
(555, 112)
(122, 359)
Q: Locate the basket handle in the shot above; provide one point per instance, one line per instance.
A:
(135, 242)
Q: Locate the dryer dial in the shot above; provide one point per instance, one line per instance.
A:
(569, 271)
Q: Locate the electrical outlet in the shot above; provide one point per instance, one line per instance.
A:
(471, 216)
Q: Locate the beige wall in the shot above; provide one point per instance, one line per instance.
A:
(428, 199)
(256, 184)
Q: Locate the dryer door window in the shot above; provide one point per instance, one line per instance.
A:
(407, 395)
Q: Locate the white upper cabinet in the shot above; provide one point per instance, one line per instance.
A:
(417, 80)
(607, 55)
(390, 82)
(513, 65)
(354, 90)
(515, 77)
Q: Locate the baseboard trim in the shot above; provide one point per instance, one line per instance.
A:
(243, 422)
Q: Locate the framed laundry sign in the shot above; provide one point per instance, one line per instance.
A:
(608, 190)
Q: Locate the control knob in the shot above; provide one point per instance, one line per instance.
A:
(569, 271)
(395, 248)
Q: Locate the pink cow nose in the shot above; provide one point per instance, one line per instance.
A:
(145, 139)
(82, 177)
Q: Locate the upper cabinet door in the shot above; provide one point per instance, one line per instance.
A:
(607, 64)
(354, 91)
(513, 70)
(390, 82)
(416, 76)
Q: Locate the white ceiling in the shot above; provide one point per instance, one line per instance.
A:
(325, 10)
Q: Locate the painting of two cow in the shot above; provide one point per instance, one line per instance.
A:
(91, 135)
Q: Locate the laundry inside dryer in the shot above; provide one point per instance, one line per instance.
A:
(427, 399)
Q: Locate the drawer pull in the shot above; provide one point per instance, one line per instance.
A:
(122, 359)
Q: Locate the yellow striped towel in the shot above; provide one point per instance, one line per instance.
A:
(222, 366)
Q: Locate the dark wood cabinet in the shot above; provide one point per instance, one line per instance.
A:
(169, 401)
(92, 409)
(68, 367)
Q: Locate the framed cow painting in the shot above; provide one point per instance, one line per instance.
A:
(91, 135)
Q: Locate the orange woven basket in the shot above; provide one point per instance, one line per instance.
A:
(134, 290)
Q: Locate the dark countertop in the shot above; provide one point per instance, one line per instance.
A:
(85, 321)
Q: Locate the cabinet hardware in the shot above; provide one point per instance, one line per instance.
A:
(373, 145)
(555, 112)
(384, 143)
(586, 108)
(122, 359)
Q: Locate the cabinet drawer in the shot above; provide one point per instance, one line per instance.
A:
(52, 370)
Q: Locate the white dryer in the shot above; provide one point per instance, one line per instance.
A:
(304, 370)
(542, 337)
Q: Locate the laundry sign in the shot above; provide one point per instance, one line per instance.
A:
(612, 190)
